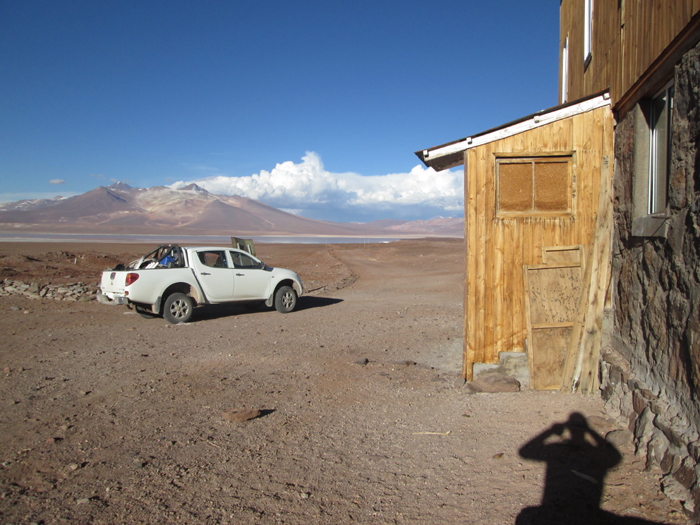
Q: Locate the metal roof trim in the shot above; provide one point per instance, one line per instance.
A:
(446, 155)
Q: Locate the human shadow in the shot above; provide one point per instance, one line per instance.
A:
(578, 460)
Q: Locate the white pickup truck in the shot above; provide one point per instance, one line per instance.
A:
(171, 280)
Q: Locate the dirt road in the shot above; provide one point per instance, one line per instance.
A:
(111, 418)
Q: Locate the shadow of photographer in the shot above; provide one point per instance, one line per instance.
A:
(577, 459)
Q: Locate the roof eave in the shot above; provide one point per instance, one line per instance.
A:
(451, 154)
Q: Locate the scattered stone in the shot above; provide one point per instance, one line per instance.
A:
(37, 291)
(239, 416)
(644, 429)
(676, 491)
(601, 424)
(363, 361)
(494, 383)
(619, 438)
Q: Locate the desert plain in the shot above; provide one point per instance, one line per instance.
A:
(362, 415)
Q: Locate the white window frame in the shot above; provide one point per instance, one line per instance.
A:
(565, 70)
(587, 30)
(659, 149)
(651, 164)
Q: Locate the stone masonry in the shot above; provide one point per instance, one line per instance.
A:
(650, 370)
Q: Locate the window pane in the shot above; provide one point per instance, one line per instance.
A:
(565, 71)
(236, 258)
(660, 113)
(552, 186)
(247, 261)
(213, 259)
(587, 28)
(515, 187)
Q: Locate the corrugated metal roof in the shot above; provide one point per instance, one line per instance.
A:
(451, 154)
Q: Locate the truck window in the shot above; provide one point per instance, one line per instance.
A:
(213, 259)
(244, 261)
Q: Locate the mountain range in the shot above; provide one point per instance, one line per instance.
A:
(191, 210)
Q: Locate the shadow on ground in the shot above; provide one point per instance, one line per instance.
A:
(306, 303)
(217, 311)
(577, 459)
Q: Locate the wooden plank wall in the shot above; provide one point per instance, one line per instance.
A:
(497, 248)
(628, 35)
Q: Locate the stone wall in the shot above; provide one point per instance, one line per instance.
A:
(62, 292)
(651, 364)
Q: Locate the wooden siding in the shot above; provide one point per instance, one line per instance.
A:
(628, 36)
(498, 247)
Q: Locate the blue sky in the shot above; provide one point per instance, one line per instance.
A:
(311, 106)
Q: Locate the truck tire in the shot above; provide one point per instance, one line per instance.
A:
(285, 299)
(178, 308)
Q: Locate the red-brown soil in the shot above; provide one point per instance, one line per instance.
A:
(108, 417)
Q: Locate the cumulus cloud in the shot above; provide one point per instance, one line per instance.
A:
(312, 191)
(57, 181)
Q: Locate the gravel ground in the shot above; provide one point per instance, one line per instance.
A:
(362, 416)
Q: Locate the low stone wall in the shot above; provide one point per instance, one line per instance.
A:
(662, 434)
(59, 292)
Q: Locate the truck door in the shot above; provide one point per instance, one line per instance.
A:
(250, 280)
(214, 274)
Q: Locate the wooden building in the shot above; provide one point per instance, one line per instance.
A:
(627, 46)
(534, 183)
(529, 185)
(632, 321)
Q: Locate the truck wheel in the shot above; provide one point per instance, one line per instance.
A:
(178, 308)
(285, 299)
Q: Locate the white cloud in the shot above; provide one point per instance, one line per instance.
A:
(57, 181)
(310, 190)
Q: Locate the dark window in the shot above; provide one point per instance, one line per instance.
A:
(244, 261)
(213, 259)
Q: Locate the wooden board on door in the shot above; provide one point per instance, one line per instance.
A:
(563, 255)
(551, 297)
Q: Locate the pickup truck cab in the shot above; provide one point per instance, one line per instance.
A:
(172, 280)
